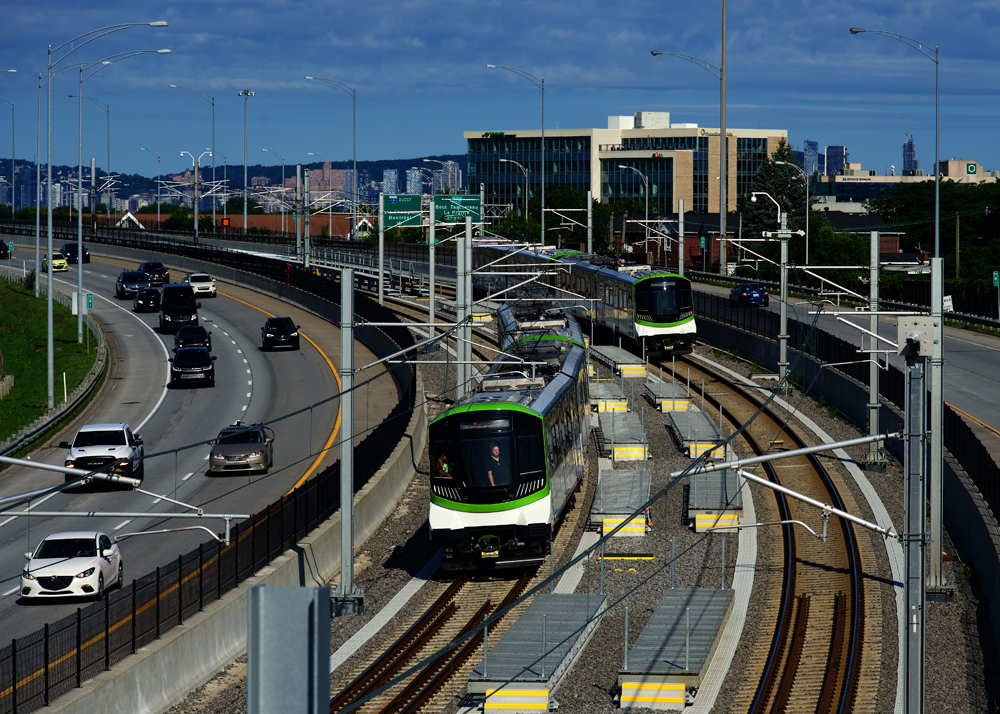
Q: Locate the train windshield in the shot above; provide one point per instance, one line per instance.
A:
(663, 299)
(472, 460)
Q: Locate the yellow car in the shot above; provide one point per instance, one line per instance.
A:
(59, 264)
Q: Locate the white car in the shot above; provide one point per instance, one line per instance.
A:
(203, 283)
(72, 564)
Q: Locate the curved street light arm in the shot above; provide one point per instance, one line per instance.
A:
(207, 97)
(712, 69)
(93, 35)
(537, 81)
(335, 83)
(921, 47)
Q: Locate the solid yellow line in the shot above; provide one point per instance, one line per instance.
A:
(973, 418)
(336, 426)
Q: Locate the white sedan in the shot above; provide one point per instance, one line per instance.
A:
(73, 564)
(202, 283)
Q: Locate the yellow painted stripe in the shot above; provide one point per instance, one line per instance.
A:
(540, 706)
(716, 519)
(336, 426)
(518, 692)
(665, 700)
(675, 686)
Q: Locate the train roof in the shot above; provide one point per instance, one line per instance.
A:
(590, 262)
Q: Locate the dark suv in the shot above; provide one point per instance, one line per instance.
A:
(158, 274)
(193, 336)
(193, 365)
(69, 251)
(178, 308)
(279, 332)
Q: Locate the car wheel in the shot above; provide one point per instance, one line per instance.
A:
(100, 586)
(211, 382)
(296, 344)
(121, 576)
(142, 471)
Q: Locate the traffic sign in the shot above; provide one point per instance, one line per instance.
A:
(703, 242)
(90, 301)
(401, 210)
(996, 278)
(454, 209)
(10, 249)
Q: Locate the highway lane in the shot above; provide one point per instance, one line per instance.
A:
(251, 385)
(971, 360)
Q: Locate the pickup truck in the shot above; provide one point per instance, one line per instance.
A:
(96, 446)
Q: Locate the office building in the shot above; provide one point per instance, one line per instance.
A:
(390, 181)
(679, 161)
(414, 181)
(810, 157)
(911, 164)
(836, 159)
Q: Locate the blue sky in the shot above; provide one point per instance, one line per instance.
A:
(419, 71)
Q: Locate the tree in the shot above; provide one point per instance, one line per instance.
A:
(165, 209)
(235, 206)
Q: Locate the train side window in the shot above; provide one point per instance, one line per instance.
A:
(530, 455)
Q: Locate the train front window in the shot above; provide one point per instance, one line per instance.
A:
(478, 462)
(662, 300)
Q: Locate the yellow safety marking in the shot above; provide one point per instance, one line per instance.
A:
(707, 520)
(699, 449)
(336, 426)
(606, 406)
(538, 699)
(675, 405)
(665, 700)
(629, 452)
(981, 423)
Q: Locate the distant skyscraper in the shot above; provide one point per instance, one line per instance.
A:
(390, 181)
(836, 159)
(810, 157)
(911, 164)
(448, 178)
(414, 181)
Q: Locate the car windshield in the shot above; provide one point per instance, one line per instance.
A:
(247, 436)
(67, 548)
(280, 323)
(109, 437)
(152, 266)
(133, 277)
(58, 256)
(149, 293)
(191, 331)
(199, 278)
(191, 356)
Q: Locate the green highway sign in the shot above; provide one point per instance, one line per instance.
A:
(10, 249)
(401, 210)
(90, 301)
(703, 242)
(996, 278)
(454, 209)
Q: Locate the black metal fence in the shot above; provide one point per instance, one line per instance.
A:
(959, 439)
(45, 664)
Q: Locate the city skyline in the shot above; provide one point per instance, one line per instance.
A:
(794, 67)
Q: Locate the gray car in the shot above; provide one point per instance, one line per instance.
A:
(242, 447)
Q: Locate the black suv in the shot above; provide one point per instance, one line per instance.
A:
(129, 283)
(178, 308)
(279, 332)
(158, 275)
(193, 336)
(146, 300)
(192, 364)
(69, 251)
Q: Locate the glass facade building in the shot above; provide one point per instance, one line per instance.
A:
(678, 162)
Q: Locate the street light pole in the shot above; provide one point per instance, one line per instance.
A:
(13, 193)
(157, 185)
(246, 93)
(805, 178)
(783, 236)
(354, 147)
(719, 72)
(282, 188)
(540, 83)
(211, 100)
(197, 175)
(329, 188)
(525, 171)
(645, 183)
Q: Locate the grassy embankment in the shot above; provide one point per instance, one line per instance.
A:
(23, 341)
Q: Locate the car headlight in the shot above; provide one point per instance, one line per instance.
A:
(218, 457)
(27, 575)
(294, 334)
(167, 318)
(86, 573)
(268, 334)
(69, 465)
(255, 454)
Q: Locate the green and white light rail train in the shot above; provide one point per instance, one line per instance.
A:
(652, 308)
(506, 459)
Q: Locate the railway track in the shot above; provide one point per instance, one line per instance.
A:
(824, 618)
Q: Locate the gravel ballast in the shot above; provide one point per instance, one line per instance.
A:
(962, 665)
